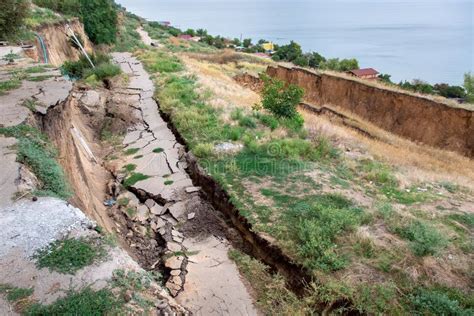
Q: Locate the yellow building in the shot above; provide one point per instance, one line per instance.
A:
(268, 47)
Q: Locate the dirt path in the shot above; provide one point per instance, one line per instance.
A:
(169, 209)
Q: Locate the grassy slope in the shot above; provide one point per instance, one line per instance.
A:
(277, 182)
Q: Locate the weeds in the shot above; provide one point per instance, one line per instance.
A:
(131, 151)
(69, 255)
(314, 224)
(82, 69)
(272, 295)
(36, 152)
(134, 178)
(85, 302)
(14, 294)
(8, 85)
(424, 238)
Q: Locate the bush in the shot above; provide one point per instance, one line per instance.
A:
(281, 99)
(430, 302)
(104, 71)
(82, 69)
(425, 239)
(12, 16)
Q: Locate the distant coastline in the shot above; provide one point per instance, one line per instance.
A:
(428, 40)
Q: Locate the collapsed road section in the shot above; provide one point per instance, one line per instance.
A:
(162, 216)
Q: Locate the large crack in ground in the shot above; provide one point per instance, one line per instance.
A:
(163, 218)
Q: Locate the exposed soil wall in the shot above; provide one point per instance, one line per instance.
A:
(57, 42)
(69, 127)
(416, 118)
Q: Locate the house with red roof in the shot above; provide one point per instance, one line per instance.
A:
(365, 73)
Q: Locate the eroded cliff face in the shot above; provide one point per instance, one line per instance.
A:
(418, 119)
(56, 39)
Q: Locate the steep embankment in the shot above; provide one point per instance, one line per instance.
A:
(416, 118)
(56, 38)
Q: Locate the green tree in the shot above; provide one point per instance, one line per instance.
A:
(289, 52)
(281, 99)
(348, 64)
(12, 15)
(385, 78)
(236, 42)
(100, 20)
(469, 86)
(301, 61)
(201, 32)
(247, 42)
(190, 32)
(315, 59)
(448, 91)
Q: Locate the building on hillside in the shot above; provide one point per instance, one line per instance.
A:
(365, 73)
(165, 23)
(268, 47)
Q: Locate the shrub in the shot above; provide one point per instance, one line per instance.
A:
(425, 239)
(431, 302)
(281, 99)
(12, 16)
(104, 71)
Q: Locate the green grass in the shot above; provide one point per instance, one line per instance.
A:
(268, 120)
(424, 238)
(39, 16)
(84, 302)
(37, 69)
(272, 295)
(128, 38)
(39, 78)
(123, 201)
(14, 294)
(131, 151)
(134, 178)
(69, 255)
(169, 182)
(130, 167)
(30, 104)
(34, 150)
(247, 121)
(158, 150)
(382, 178)
(315, 223)
(8, 85)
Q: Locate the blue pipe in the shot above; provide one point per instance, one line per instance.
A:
(43, 47)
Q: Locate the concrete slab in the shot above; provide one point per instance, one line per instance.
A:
(10, 171)
(213, 284)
